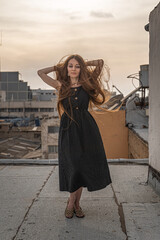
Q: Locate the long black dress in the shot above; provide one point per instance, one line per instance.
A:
(81, 154)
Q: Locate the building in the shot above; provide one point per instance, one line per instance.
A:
(49, 138)
(9, 109)
(43, 95)
(18, 100)
(16, 90)
(154, 98)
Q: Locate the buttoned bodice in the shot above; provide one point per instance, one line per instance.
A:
(79, 99)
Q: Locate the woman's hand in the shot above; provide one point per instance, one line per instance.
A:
(98, 66)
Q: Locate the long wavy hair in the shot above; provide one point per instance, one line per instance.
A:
(90, 79)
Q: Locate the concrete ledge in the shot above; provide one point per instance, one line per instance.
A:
(154, 179)
(55, 161)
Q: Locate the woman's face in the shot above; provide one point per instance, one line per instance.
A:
(73, 68)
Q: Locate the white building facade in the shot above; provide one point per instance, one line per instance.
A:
(154, 98)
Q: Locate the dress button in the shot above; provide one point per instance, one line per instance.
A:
(76, 97)
(76, 107)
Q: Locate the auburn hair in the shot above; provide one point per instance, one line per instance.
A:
(90, 78)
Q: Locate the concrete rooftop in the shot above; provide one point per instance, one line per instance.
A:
(32, 207)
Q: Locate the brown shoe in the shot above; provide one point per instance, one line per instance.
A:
(79, 212)
(69, 212)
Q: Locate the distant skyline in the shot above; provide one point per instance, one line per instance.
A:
(37, 34)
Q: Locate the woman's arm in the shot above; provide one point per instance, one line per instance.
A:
(98, 64)
(50, 81)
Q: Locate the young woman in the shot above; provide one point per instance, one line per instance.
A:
(81, 154)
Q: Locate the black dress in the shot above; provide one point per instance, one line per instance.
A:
(81, 154)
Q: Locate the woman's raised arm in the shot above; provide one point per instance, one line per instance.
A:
(50, 81)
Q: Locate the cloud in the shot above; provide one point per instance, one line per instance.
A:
(16, 21)
(72, 15)
(99, 14)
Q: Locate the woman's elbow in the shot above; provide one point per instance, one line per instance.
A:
(101, 62)
(39, 72)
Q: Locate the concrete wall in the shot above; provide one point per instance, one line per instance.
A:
(114, 133)
(138, 148)
(154, 88)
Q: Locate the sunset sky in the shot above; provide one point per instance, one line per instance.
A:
(38, 33)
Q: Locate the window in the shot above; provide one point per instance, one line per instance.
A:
(31, 109)
(37, 135)
(46, 109)
(3, 109)
(15, 109)
(52, 149)
(53, 129)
